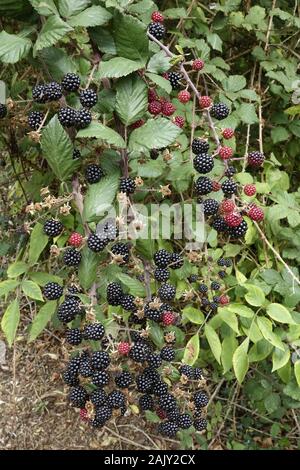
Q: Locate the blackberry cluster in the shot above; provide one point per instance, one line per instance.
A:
(82, 119)
(97, 243)
(128, 303)
(161, 274)
(203, 185)
(66, 116)
(210, 206)
(167, 292)
(68, 310)
(229, 187)
(114, 293)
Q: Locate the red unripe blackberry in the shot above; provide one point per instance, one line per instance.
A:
(197, 64)
(152, 95)
(219, 111)
(255, 213)
(53, 228)
(255, 159)
(75, 239)
(83, 413)
(203, 185)
(168, 108)
(154, 107)
(227, 206)
(124, 348)
(157, 17)
(205, 102)
(88, 98)
(179, 121)
(71, 82)
(184, 96)
(225, 152)
(35, 118)
(249, 189)
(78, 397)
(224, 299)
(168, 318)
(227, 133)
(216, 186)
(72, 257)
(52, 291)
(83, 118)
(138, 124)
(157, 30)
(203, 163)
(161, 413)
(233, 220)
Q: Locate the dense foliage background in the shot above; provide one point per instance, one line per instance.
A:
(250, 348)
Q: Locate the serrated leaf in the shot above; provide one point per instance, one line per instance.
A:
(72, 7)
(240, 361)
(17, 268)
(52, 31)
(213, 341)
(265, 327)
(43, 7)
(130, 38)
(7, 286)
(247, 114)
(99, 131)
(131, 99)
(10, 321)
(134, 285)
(193, 315)
(215, 41)
(99, 197)
(42, 319)
(191, 351)
(255, 295)
(58, 149)
(118, 67)
(32, 290)
(58, 62)
(234, 83)
(155, 134)
(92, 16)
(13, 48)
(160, 81)
(279, 313)
(87, 270)
(159, 63)
(38, 241)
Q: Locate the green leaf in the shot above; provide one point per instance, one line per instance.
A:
(72, 7)
(293, 110)
(234, 83)
(240, 310)
(134, 285)
(118, 67)
(130, 38)
(155, 134)
(229, 345)
(297, 371)
(88, 268)
(58, 149)
(265, 327)
(160, 81)
(215, 41)
(52, 31)
(272, 402)
(32, 290)
(255, 295)
(156, 334)
(240, 277)
(10, 321)
(159, 63)
(38, 241)
(41, 278)
(58, 62)
(131, 100)
(7, 286)
(280, 358)
(13, 48)
(213, 341)
(92, 16)
(16, 269)
(99, 197)
(191, 351)
(41, 319)
(247, 114)
(279, 313)
(240, 360)
(193, 315)
(99, 131)
(279, 134)
(230, 319)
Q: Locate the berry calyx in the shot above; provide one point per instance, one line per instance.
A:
(124, 348)
(184, 96)
(197, 64)
(205, 102)
(75, 239)
(227, 133)
(225, 152)
(157, 17)
(249, 189)
(255, 213)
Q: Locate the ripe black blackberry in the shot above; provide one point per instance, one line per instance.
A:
(154, 154)
(176, 261)
(140, 352)
(203, 288)
(96, 243)
(228, 263)
(71, 82)
(116, 399)
(221, 262)
(174, 78)
(53, 228)
(167, 291)
(173, 415)
(72, 291)
(98, 397)
(3, 110)
(100, 378)
(167, 402)
(70, 379)
(200, 146)
(93, 173)
(123, 379)
(72, 257)
(219, 224)
(186, 370)
(152, 374)
(109, 229)
(203, 163)
(216, 298)
(167, 354)
(162, 258)
(146, 402)
(184, 421)
(76, 154)
(215, 285)
(52, 291)
(78, 397)
(168, 428)
(160, 389)
(230, 171)
(222, 274)
(200, 399)
(197, 373)
(127, 302)
(213, 306)
(229, 187)
(86, 369)
(74, 365)
(73, 336)
(205, 302)
(154, 360)
(203, 185)
(100, 360)
(35, 118)
(53, 91)
(93, 331)
(114, 293)
(210, 206)
(103, 414)
(39, 93)
(83, 118)
(143, 383)
(161, 274)
(127, 185)
(238, 232)
(152, 313)
(88, 98)
(200, 424)
(121, 249)
(219, 111)
(255, 159)
(66, 116)
(157, 30)
(68, 310)
(193, 278)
